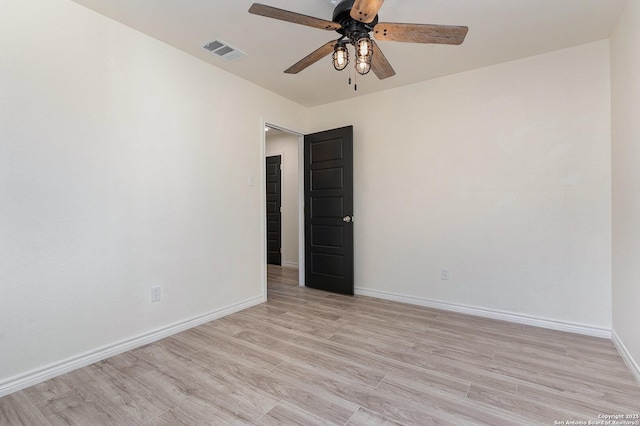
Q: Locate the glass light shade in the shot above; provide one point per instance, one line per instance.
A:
(340, 57)
(364, 47)
(363, 65)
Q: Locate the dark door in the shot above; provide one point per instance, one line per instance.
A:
(274, 216)
(328, 200)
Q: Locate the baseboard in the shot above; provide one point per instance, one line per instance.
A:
(626, 356)
(39, 375)
(289, 265)
(489, 313)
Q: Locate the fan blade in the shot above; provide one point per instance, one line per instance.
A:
(365, 10)
(312, 58)
(379, 64)
(296, 18)
(420, 33)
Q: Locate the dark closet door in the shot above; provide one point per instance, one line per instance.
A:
(328, 189)
(274, 216)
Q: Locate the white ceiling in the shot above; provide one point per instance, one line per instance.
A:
(499, 31)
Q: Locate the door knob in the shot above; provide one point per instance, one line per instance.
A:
(347, 219)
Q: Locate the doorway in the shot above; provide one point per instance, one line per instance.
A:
(287, 145)
(324, 182)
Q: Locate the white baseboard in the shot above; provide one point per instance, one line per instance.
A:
(489, 313)
(39, 375)
(289, 264)
(626, 356)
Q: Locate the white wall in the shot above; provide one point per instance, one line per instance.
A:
(124, 164)
(625, 111)
(286, 145)
(500, 174)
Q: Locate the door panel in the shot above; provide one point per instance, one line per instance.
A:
(274, 204)
(328, 236)
(327, 179)
(328, 191)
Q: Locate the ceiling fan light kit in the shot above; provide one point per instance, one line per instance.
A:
(354, 20)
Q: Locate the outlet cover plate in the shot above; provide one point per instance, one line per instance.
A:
(156, 294)
(444, 274)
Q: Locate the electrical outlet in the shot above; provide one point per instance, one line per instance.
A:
(156, 294)
(444, 274)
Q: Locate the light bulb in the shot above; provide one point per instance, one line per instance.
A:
(364, 47)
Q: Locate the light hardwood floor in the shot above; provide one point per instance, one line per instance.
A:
(312, 358)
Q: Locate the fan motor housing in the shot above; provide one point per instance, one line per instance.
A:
(342, 16)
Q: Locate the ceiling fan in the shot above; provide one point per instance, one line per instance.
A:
(354, 20)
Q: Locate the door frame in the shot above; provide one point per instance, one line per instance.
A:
(301, 253)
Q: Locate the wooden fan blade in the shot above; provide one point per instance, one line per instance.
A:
(420, 33)
(365, 10)
(379, 64)
(296, 18)
(312, 58)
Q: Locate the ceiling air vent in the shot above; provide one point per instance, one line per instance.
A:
(224, 50)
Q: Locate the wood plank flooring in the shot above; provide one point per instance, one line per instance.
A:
(311, 358)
